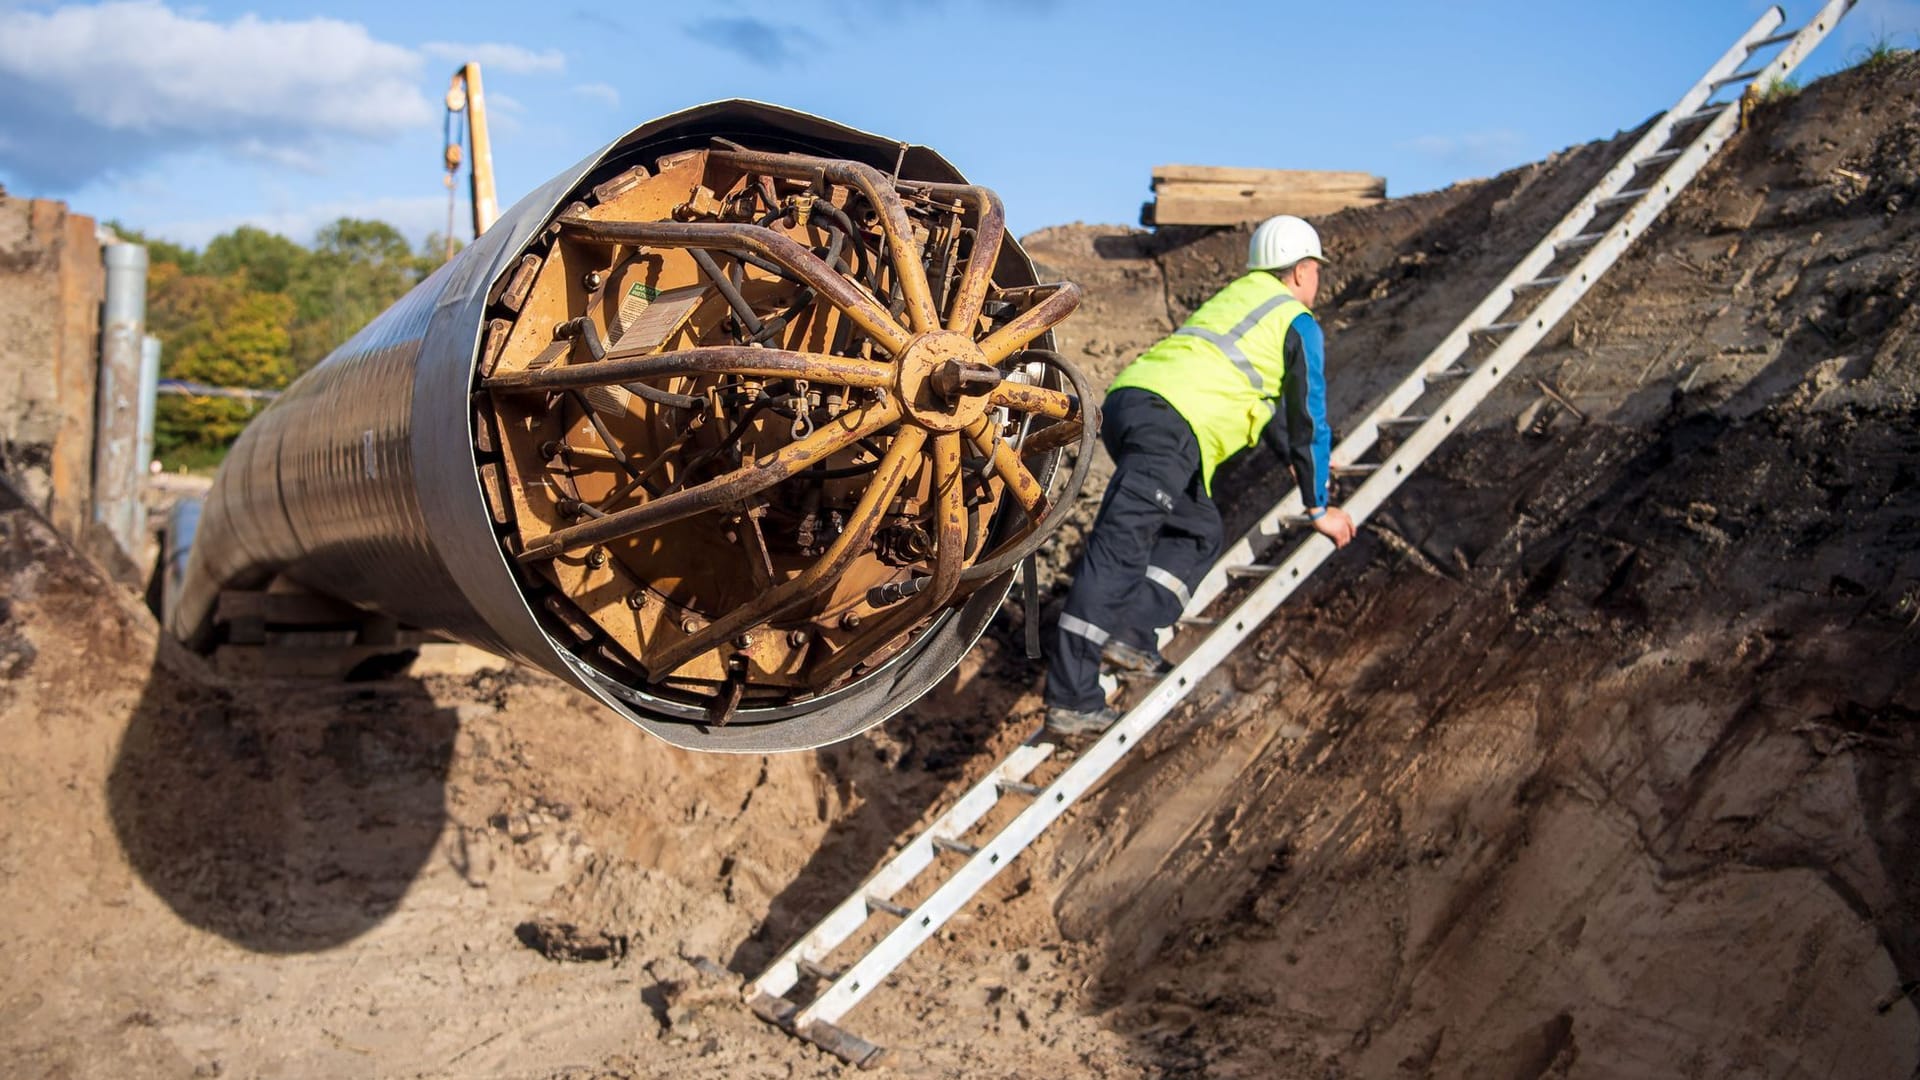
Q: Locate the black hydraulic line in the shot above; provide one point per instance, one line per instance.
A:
(1030, 604)
(804, 299)
(741, 309)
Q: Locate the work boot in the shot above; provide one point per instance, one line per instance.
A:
(1148, 661)
(1065, 721)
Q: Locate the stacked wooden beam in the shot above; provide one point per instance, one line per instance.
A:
(1213, 195)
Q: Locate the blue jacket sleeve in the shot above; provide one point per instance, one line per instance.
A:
(1305, 440)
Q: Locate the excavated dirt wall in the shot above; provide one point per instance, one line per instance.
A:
(1594, 756)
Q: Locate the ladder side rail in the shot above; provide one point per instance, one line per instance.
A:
(1085, 771)
(1450, 348)
(1598, 260)
(1252, 612)
(896, 873)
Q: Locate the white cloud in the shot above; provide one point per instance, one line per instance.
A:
(416, 216)
(495, 56)
(93, 90)
(599, 91)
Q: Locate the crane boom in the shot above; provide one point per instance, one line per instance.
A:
(464, 95)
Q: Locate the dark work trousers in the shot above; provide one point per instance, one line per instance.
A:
(1155, 538)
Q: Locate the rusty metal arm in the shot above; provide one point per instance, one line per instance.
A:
(989, 230)
(903, 251)
(1009, 554)
(636, 365)
(900, 462)
(1031, 323)
(1006, 464)
(934, 591)
(866, 312)
(841, 433)
(1037, 400)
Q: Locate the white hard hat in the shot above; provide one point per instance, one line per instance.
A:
(1279, 242)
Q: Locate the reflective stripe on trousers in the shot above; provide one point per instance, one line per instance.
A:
(1171, 582)
(1083, 628)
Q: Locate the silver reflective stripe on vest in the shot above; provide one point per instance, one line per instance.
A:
(1083, 628)
(1229, 342)
(1168, 581)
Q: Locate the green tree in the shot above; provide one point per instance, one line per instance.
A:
(270, 261)
(357, 269)
(255, 309)
(158, 251)
(221, 332)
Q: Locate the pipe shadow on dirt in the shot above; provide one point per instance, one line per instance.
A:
(284, 816)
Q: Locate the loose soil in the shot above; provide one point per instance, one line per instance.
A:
(1596, 755)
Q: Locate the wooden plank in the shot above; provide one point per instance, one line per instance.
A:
(1234, 209)
(1293, 179)
(1187, 190)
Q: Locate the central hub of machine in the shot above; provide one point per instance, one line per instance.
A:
(944, 379)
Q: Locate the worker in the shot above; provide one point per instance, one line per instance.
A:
(1196, 398)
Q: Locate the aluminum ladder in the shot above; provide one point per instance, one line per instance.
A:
(1406, 427)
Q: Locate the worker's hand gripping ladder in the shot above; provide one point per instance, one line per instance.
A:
(1459, 373)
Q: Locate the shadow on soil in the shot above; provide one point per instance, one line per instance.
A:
(288, 817)
(940, 736)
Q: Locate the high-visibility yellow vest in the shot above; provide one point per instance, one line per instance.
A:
(1222, 370)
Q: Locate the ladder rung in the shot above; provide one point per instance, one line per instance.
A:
(1446, 374)
(1021, 787)
(1623, 198)
(898, 911)
(1355, 470)
(818, 971)
(1774, 40)
(962, 884)
(1707, 113)
(1296, 521)
(1738, 77)
(1500, 327)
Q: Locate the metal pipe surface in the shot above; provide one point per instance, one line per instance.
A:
(117, 467)
(463, 466)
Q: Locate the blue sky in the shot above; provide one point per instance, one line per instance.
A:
(188, 119)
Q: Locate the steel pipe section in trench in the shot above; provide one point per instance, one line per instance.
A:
(742, 425)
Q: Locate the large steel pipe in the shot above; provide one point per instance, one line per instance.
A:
(740, 425)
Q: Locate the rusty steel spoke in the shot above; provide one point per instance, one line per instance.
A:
(1031, 323)
(903, 251)
(990, 228)
(901, 460)
(1050, 438)
(950, 541)
(831, 438)
(1006, 464)
(635, 366)
(866, 312)
(1036, 400)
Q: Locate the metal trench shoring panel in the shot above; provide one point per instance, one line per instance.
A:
(363, 482)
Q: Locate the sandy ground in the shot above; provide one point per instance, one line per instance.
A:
(1596, 755)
